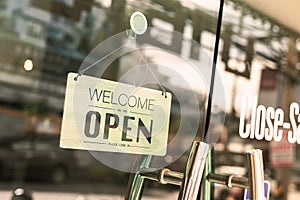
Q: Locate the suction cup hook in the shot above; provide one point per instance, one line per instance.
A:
(138, 23)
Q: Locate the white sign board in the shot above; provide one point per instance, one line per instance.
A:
(103, 115)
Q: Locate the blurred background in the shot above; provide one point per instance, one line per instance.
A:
(42, 41)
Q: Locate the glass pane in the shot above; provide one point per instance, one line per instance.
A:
(43, 41)
(260, 70)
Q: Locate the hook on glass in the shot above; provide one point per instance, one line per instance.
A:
(138, 23)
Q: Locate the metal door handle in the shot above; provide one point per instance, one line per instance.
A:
(194, 170)
(256, 174)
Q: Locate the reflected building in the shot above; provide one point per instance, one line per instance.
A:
(50, 38)
(47, 36)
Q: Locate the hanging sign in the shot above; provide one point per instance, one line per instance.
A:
(103, 115)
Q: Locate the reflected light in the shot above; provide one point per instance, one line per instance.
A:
(19, 191)
(28, 65)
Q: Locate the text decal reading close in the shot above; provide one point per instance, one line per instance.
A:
(268, 123)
